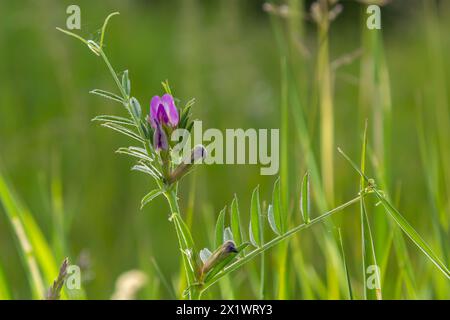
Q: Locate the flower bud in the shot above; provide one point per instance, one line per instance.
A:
(163, 111)
(198, 154)
(218, 256)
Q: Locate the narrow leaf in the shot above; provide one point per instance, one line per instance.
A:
(137, 154)
(167, 284)
(403, 224)
(107, 95)
(187, 246)
(33, 247)
(305, 199)
(349, 283)
(371, 272)
(235, 221)
(126, 83)
(147, 170)
(123, 130)
(278, 218)
(271, 219)
(250, 235)
(372, 279)
(220, 225)
(255, 223)
(150, 196)
(136, 108)
(412, 234)
(114, 119)
(4, 289)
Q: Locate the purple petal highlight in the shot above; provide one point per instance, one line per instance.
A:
(160, 139)
(171, 109)
(154, 103)
(163, 111)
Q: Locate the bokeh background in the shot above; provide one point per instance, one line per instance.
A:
(228, 55)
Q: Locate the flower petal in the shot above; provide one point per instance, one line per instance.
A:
(154, 103)
(160, 139)
(171, 109)
(161, 115)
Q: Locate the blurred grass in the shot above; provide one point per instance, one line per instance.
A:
(227, 54)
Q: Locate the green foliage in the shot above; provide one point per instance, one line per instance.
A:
(220, 227)
(368, 248)
(237, 84)
(35, 251)
(236, 221)
(347, 273)
(256, 234)
(401, 222)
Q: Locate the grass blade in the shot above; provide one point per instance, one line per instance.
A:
(403, 224)
(372, 284)
(349, 283)
(34, 249)
(4, 290)
(371, 274)
(305, 199)
(412, 233)
(167, 285)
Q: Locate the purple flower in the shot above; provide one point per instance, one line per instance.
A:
(160, 141)
(163, 111)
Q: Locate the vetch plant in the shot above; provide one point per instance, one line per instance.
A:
(154, 157)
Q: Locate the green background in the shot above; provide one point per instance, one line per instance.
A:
(225, 54)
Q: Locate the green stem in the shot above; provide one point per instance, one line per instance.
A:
(171, 193)
(126, 98)
(172, 198)
(114, 75)
(232, 267)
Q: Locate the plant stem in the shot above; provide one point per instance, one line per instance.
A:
(114, 75)
(126, 98)
(324, 82)
(172, 198)
(278, 239)
(170, 194)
